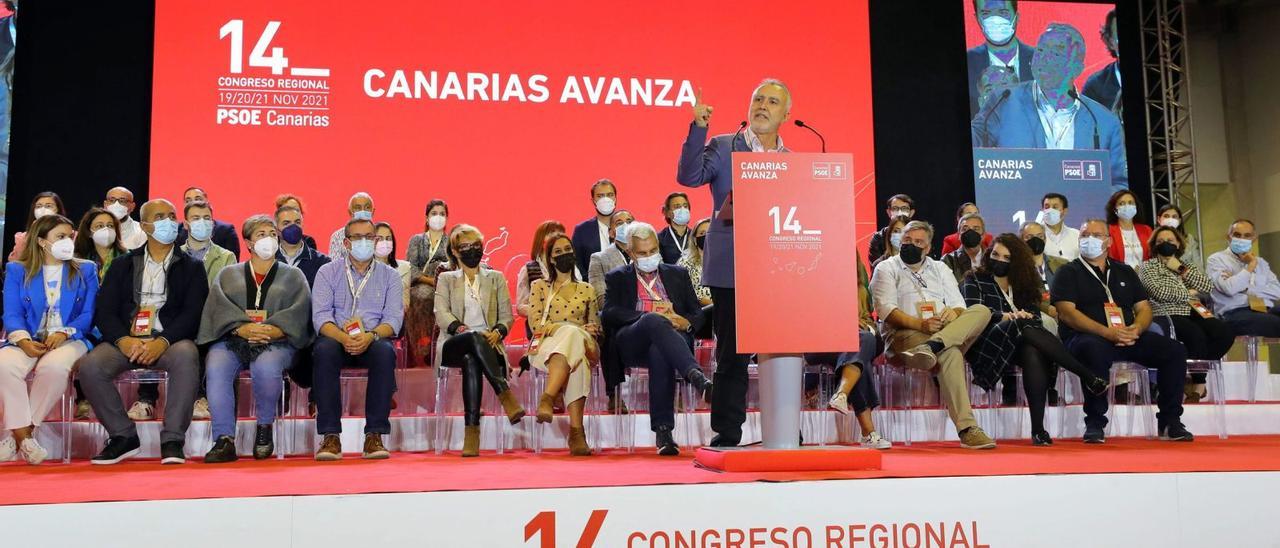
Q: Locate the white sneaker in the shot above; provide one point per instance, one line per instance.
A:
(8, 450)
(201, 409)
(142, 411)
(32, 452)
(920, 357)
(840, 403)
(874, 441)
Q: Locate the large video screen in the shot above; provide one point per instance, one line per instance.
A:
(507, 112)
(8, 41)
(1045, 100)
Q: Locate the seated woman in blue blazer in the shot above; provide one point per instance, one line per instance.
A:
(48, 309)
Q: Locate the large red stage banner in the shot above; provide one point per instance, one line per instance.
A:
(507, 112)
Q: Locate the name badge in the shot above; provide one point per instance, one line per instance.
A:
(353, 327)
(662, 307)
(1257, 304)
(1115, 316)
(143, 321)
(256, 315)
(1200, 308)
(926, 310)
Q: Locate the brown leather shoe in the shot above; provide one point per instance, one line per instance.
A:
(330, 448)
(471, 442)
(578, 442)
(373, 448)
(546, 408)
(514, 410)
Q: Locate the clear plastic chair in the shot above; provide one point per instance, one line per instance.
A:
(1138, 380)
(1070, 392)
(988, 404)
(283, 443)
(591, 416)
(1217, 393)
(1253, 361)
(827, 417)
(905, 390)
(66, 414)
(636, 394)
(445, 404)
(134, 377)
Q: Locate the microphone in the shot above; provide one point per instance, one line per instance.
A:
(800, 123)
(741, 126)
(1076, 96)
(986, 112)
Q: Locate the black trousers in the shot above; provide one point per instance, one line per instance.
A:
(1205, 338)
(478, 359)
(653, 343)
(1247, 322)
(1167, 356)
(729, 399)
(1039, 355)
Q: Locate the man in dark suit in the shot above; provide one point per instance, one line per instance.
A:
(294, 250)
(704, 162)
(999, 22)
(650, 314)
(971, 228)
(148, 312)
(676, 237)
(224, 234)
(1049, 101)
(1104, 86)
(8, 28)
(592, 235)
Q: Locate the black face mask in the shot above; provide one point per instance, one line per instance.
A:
(471, 257)
(999, 268)
(1166, 249)
(701, 241)
(564, 263)
(911, 254)
(1036, 244)
(970, 238)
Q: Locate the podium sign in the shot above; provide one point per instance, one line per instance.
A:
(794, 253)
(1010, 182)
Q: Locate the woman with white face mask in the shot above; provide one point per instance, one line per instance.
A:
(257, 316)
(1129, 238)
(1171, 216)
(893, 242)
(45, 203)
(427, 255)
(48, 310)
(384, 251)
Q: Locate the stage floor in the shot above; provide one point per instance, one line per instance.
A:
(147, 480)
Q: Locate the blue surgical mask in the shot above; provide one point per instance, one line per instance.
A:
(998, 29)
(165, 231)
(363, 215)
(1052, 217)
(649, 264)
(896, 239)
(1240, 246)
(362, 250)
(680, 216)
(1090, 247)
(1127, 212)
(201, 229)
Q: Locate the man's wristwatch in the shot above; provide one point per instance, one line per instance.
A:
(376, 336)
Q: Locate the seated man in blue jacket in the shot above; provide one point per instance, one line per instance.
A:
(1048, 113)
(650, 314)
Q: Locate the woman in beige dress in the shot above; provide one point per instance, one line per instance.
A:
(564, 318)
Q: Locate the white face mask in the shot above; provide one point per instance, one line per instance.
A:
(1091, 247)
(1052, 217)
(104, 237)
(265, 248)
(648, 264)
(436, 222)
(118, 210)
(63, 250)
(382, 249)
(1170, 222)
(998, 29)
(605, 206)
(681, 216)
(42, 211)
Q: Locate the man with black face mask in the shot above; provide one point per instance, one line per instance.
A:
(927, 325)
(971, 228)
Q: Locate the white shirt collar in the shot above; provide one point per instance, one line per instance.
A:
(1012, 64)
(753, 141)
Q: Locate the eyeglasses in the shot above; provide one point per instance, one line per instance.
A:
(362, 237)
(121, 201)
(471, 247)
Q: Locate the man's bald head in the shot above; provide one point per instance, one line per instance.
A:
(157, 209)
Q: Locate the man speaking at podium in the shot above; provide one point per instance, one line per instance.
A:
(705, 162)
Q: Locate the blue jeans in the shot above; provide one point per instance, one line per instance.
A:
(222, 367)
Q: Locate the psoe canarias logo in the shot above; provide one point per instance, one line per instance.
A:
(831, 171)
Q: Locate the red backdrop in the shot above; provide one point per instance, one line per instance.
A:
(503, 166)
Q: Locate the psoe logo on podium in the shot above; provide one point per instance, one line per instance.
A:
(1081, 170)
(830, 171)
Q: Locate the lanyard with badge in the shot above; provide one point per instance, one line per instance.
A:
(660, 305)
(145, 319)
(257, 314)
(536, 340)
(354, 327)
(925, 309)
(681, 243)
(433, 248)
(1115, 315)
